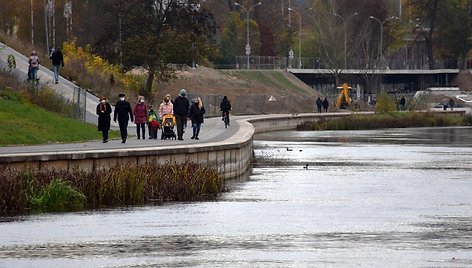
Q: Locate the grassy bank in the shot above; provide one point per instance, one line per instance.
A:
(26, 191)
(24, 122)
(388, 120)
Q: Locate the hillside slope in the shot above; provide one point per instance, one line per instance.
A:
(249, 91)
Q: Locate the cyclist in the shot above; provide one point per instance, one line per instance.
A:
(225, 107)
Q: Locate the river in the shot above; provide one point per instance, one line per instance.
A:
(399, 197)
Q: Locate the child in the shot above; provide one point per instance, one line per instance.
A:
(153, 123)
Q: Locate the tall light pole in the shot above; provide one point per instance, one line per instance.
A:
(46, 24)
(345, 33)
(248, 46)
(32, 24)
(381, 32)
(299, 34)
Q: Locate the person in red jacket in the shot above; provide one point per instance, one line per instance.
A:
(140, 112)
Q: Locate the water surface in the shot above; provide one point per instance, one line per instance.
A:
(370, 198)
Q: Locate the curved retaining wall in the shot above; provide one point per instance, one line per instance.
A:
(232, 156)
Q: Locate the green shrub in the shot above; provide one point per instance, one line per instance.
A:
(57, 196)
(385, 103)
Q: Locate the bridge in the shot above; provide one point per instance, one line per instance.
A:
(393, 75)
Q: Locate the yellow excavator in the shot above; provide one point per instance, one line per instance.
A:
(343, 101)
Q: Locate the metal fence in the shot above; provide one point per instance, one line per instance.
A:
(256, 104)
(79, 103)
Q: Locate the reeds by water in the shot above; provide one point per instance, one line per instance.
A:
(387, 120)
(52, 190)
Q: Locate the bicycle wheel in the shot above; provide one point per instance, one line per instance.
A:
(226, 120)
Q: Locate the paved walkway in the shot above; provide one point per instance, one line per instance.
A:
(212, 130)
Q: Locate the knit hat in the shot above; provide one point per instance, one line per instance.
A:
(182, 92)
(121, 95)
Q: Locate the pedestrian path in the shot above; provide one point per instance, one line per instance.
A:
(212, 130)
(64, 88)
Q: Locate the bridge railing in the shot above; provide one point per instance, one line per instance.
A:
(271, 63)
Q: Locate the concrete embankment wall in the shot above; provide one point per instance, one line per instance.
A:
(232, 156)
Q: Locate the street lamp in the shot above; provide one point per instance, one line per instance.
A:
(299, 34)
(248, 46)
(345, 33)
(381, 32)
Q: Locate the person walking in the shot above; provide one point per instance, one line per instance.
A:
(181, 108)
(57, 59)
(140, 113)
(166, 107)
(153, 123)
(402, 103)
(197, 110)
(451, 103)
(225, 107)
(319, 102)
(325, 105)
(33, 62)
(123, 113)
(104, 118)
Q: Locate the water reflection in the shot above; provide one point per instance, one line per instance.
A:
(381, 198)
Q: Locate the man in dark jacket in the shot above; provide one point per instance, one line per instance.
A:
(319, 103)
(124, 113)
(181, 108)
(57, 60)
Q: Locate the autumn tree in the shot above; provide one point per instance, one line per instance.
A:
(455, 32)
(231, 39)
(163, 36)
(426, 13)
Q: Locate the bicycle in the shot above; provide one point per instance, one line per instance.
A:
(226, 119)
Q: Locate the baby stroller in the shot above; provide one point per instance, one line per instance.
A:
(168, 123)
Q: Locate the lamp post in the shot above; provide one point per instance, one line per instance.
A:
(381, 32)
(299, 34)
(32, 23)
(345, 33)
(248, 46)
(46, 24)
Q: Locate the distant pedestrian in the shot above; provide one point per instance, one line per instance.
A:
(225, 107)
(166, 107)
(451, 103)
(325, 104)
(402, 103)
(181, 108)
(153, 123)
(57, 60)
(33, 67)
(123, 113)
(104, 118)
(140, 113)
(197, 110)
(319, 103)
